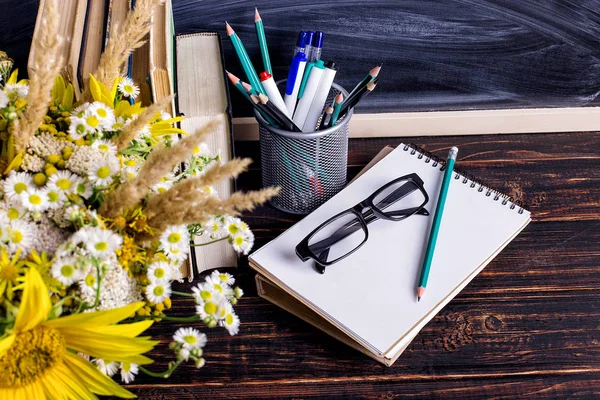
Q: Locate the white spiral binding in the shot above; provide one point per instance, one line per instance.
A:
(465, 180)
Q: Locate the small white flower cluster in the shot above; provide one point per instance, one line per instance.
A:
(110, 368)
(92, 119)
(234, 229)
(188, 344)
(215, 298)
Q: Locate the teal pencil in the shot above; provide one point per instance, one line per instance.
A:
(237, 82)
(437, 221)
(262, 41)
(244, 59)
(337, 106)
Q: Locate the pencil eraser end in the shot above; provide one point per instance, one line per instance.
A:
(453, 152)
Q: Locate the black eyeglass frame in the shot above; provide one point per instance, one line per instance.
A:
(371, 214)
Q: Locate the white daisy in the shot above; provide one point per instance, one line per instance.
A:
(157, 292)
(89, 284)
(16, 90)
(15, 209)
(212, 307)
(34, 199)
(223, 277)
(83, 188)
(56, 198)
(232, 226)
(175, 242)
(78, 128)
(102, 242)
(159, 271)
(105, 146)
(202, 150)
(101, 174)
(20, 235)
(65, 271)
(16, 183)
(127, 88)
(128, 372)
(92, 122)
(208, 190)
(109, 368)
(217, 286)
(74, 213)
(183, 354)
(231, 321)
(214, 227)
(103, 113)
(202, 292)
(162, 186)
(80, 110)
(190, 338)
(63, 181)
(243, 242)
(3, 99)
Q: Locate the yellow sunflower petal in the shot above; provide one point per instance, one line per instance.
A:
(35, 304)
(71, 387)
(34, 391)
(97, 318)
(95, 380)
(6, 343)
(50, 388)
(109, 347)
(125, 330)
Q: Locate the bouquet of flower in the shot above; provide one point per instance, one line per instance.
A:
(99, 200)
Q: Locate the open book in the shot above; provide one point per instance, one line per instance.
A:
(368, 300)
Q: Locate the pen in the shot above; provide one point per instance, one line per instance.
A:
(294, 80)
(317, 46)
(271, 88)
(308, 89)
(337, 106)
(301, 43)
(244, 59)
(309, 41)
(320, 97)
(437, 220)
(262, 41)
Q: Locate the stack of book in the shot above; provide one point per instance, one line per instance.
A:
(88, 26)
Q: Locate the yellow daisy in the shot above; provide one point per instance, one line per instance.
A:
(39, 360)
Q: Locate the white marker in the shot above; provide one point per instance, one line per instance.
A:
(294, 80)
(308, 89)
(320, 98)
(272, 92)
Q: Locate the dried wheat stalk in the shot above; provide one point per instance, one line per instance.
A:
(46, 65)
(130, 131)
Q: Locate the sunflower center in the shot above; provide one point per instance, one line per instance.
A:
(30, 356)
(8, 272)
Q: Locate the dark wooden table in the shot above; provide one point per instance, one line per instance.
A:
(527, 327)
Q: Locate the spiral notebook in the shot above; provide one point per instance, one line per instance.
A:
(368, 300)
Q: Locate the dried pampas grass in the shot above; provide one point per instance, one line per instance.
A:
(46, 65)
(159, 164)
(131, 130)
(124, 40)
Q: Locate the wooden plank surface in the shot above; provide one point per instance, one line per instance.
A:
(527, 327)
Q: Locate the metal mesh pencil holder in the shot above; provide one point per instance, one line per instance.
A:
(309, 167)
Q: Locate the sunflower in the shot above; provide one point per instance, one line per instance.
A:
(10, 268)
(39, 360)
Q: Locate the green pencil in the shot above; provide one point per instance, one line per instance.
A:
(244, 59)
(437, 220)
(262, 41)
(238, 84)
(337, 106)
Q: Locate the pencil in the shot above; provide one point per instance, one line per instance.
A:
(337, 106)
(238, 84)
(262, 41)
(244, 59)
(350, 102)
(326, 118)
(248, 88)
(264, 110)
(285, 120)
(368, 78)
(437, 221)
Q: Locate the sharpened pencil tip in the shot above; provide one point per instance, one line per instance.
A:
(375, 71)
(418, 299)
(229, 29)
(256, 15)
(234, 79)
(339, 98)
(420, 292)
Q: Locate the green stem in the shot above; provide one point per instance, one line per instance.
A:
(97, 301)
(182, 294)
(165, 374)
(207, 243)
(192, 318)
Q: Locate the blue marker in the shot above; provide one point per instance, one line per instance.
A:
(300, 43)
(317, 46)
(309, 40)
(294, 81)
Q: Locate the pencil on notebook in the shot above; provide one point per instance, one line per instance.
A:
(244, 59)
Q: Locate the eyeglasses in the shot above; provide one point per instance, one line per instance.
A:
(344, 233)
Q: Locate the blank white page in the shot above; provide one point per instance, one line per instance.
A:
(371, 294)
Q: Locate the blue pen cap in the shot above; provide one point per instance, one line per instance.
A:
(301, 42)
(318, 39)
(309, 37)
(293, 73)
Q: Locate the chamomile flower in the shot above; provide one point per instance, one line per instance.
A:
(107, 368)
(127, 88)
(212, 307)
(65, 271)
(56, 198)
(175, 242)
(157, 292)
(101, 174)
(232, 226)
(162, 186)
(3, 99)
(63, 181)
(105, 146)
(230, 321)
(159, 271)
(15, 210)
(202, 292)
(20, 235)
(243, 242)
(80, 110)
(101, 242)
(190, 338)
(74, 213)
(16, 183)
(223, 277)
(202, 150)
(128, 372)
(34, 199)
(78, 128)
(208, 190)
(215, 284)
(89, 284)
(103, 113)
(16, 90)
(83, 188)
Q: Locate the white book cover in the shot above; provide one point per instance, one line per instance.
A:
(371, 294)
